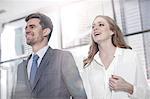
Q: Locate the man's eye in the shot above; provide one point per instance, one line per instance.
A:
(25, 27)
(101, 24)
(32, 27)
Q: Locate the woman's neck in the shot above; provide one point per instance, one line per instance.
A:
(106, 48)
(106, 53)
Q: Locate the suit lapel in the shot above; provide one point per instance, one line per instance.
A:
(44, 63)
(26, 74)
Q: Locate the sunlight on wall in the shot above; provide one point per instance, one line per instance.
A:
(7, 43)
(3, 84)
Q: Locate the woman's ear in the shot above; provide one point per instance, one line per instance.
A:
(112, 33)
(46, 31)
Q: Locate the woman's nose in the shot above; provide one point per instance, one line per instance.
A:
(95, 28)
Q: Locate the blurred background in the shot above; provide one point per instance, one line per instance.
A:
(72, 20)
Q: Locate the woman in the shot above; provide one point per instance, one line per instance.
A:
(112, 69)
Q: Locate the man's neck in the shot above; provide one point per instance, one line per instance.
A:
(37, 48)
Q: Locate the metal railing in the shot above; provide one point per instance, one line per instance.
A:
(14, 59)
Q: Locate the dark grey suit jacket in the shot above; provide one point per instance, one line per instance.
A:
(57, 78)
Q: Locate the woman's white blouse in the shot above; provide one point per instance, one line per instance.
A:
(125, 64)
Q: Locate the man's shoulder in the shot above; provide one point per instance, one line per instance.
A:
(60, 51)
(24, 61)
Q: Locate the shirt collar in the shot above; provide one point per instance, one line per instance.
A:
(41, 52)
(117, 53)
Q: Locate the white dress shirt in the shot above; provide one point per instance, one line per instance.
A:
(125, 64)
(40, 53)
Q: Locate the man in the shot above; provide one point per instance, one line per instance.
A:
(53, 73)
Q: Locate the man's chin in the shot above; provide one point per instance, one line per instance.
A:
(29, 43)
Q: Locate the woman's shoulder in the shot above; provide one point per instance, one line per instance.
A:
(79, 62)
(130, 52)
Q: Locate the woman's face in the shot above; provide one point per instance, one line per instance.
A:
(100, 30)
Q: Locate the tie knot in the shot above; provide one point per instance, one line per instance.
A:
(35, 57)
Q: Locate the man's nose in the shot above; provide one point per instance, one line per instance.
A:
(27, 30)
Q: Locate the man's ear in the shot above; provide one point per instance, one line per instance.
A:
(46, 31)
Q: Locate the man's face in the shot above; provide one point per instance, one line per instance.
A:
(34, 32)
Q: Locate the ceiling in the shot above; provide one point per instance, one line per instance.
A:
(14, 9)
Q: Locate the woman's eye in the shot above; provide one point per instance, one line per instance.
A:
(92, 27)
(101, 24)
(97, 25)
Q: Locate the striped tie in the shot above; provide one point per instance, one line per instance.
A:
(33, 68)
